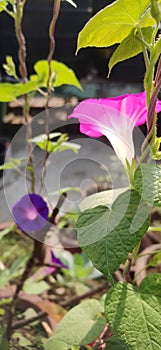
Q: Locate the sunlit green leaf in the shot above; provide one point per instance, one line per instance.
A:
(130, 47)
(43, 137)
(46, 145)
(61, 75)
(3, 5)
(10, 68)
(69, 146)
(12, 163)
(52, 147)
(10, 91)
(12, 2)
(114, 23)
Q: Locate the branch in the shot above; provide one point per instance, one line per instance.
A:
(22, 323)
(76, 299)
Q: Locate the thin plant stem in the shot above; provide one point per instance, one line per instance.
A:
(76, 299)
(155, 229)
(10, 13)
(142, 269)
(155, 31)
(145, 152)
(144, 47)
(22, 173)
(56, 9)
(148, 253)
(23, 72)
(135, 253)
(22, 323)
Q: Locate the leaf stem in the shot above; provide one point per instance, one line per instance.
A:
(148, 253)
(139, 272)
(135, 253)
(10, 13)
(144, 47)
(155, 31)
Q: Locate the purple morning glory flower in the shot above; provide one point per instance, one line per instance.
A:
(30, 213)
(57, 262)
(114, 118)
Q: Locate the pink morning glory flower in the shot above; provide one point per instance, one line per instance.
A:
(114, 118)
(30, 213)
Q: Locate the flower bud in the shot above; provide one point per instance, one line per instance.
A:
(155, 11)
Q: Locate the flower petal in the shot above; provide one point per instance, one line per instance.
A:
(30, 213)
(158, 106)
(115, 118)
(97, 118)
(57, 262)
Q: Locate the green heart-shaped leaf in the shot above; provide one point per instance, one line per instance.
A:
(134, 316)
(108, 235)
(9, 91)
(61, 74)
(81, 325)
(114, 23)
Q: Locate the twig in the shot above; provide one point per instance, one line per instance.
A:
(76, 299)
(22, 323)
(15, 296)
(59, 204)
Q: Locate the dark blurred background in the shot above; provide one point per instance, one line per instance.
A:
(71, 20)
